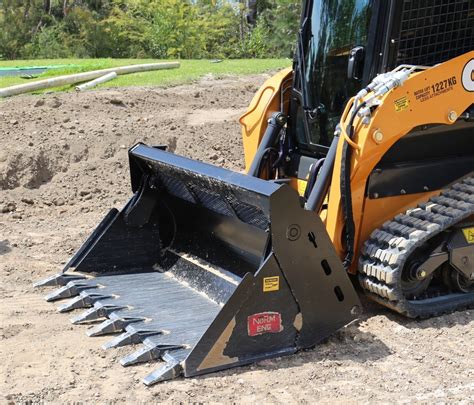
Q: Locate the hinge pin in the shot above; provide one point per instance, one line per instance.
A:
(452, 116)
(378, 136)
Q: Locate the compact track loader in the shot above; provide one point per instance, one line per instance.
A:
(359, 166)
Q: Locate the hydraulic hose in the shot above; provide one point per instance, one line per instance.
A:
(346, 191)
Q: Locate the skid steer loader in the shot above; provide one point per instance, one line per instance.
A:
(359, 166)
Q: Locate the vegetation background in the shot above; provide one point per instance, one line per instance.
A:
(161, 29)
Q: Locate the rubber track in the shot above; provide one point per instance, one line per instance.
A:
(384, 255)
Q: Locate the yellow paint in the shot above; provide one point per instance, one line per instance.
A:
(469, 235)
(271, 284)
(299, 185)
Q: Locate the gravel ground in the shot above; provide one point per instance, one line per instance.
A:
(63, 164)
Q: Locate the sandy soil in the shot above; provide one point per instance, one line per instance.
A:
(63, 164)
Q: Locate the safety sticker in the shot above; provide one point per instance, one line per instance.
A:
(271, 283)
(469, 235)
(264, 322)
(402, 104)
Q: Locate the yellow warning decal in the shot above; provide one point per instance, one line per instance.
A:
(469, 235)
(401, 104)
(271, 283)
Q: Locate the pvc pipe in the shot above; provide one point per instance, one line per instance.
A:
(96, 82)
(82, 77)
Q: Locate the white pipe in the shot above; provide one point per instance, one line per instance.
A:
(96, 82)
(82, 77)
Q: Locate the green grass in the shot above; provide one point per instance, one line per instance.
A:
(190, 70)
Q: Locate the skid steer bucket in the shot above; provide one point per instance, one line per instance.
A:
(206, 269)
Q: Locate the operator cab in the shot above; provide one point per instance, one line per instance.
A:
(343, 45)
(333, 35)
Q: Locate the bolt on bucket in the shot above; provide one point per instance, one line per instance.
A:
(206, 269)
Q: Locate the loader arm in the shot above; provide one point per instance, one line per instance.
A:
(434, 96)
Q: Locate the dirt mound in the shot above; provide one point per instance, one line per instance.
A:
(33, 168)
(63, 165)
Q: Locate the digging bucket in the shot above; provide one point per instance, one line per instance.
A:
(206, 269)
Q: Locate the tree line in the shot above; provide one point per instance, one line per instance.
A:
(187, 29)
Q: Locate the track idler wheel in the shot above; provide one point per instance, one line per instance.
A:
(413, 283)
(455, 281)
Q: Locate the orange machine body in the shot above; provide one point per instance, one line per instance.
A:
(437, 95)
(266, 101)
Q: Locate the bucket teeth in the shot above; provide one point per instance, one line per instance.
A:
(95, 313)
(146, 354)
(112, 326)
(130, 338)
(70, 290)
(168, 371)
(58, 280)
(82, 301)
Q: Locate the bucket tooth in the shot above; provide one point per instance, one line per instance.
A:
(130, 338)
(89, 315)
(82, 301)
(146, 354)
(171, 369)
(95, 313)
(58, 280)
(112, 326)
(70, 290)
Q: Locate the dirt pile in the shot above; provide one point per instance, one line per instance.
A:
(63, 165)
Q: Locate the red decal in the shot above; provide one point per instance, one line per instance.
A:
(264, 322)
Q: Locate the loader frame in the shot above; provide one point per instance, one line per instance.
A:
(409, 113)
